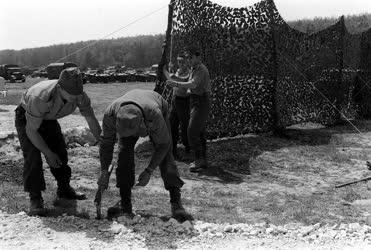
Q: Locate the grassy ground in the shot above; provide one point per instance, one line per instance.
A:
(15, 90)
(101, 94)
(251, 179)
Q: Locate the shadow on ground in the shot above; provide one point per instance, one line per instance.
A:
(262, 163)
(151, 227)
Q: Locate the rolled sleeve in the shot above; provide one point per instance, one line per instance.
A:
(35, 112)
(108, 139)
(197, 78)
(84, 105)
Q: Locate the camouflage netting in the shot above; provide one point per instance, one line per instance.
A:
(266, 75)
(362, 83)
(308, 76)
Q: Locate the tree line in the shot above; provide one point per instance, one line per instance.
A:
(354, 23)
(139, 51)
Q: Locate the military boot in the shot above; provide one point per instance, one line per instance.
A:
(36, 205)
(65, 191)
(198, 165)
(177, 210)
(122, 207)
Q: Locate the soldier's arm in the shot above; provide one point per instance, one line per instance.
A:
(160, 135)
(178, 78)
(37, 140)
(86, 110)
(107, 142)
(94, 126)
(35, 112)
(190, 83)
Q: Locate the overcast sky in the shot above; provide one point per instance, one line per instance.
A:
(36, 23)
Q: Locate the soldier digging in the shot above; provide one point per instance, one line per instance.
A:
(136, 114)
(39, 132)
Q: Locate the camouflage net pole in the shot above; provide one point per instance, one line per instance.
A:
(160, 83)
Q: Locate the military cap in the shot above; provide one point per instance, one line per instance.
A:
(71, 81)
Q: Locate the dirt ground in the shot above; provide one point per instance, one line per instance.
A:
(260, 192)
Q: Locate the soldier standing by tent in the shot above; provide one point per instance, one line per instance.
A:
(136, 114)
(179, 111)
(39, 131)
(199, 84)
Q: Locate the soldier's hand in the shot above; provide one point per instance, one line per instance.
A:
(171, 67)
(97, 142)
(166, 73)
(53, 160)
(103, 179)
(171, 83)
(144, 178)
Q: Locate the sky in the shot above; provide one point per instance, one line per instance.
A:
(37, 23)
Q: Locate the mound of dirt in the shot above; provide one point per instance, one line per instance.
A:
(79, 136)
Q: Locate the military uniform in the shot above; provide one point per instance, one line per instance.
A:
(200, 109)
(179, 113)
(155, 113)
(156, 118)
(41, 105)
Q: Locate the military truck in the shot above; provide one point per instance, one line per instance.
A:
(12, 73)
(55, 69)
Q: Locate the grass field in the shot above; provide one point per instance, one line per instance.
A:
(101, 94)
(251, 179)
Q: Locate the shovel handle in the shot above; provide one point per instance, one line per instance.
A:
(99, 194)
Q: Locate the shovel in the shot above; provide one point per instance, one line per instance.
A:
(98, 195)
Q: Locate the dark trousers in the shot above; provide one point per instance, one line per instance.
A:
(33, 174)
(125, 172)
(179, 115)
(200, 108)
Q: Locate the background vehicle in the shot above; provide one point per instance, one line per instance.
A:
(55, 69)
(12, 73)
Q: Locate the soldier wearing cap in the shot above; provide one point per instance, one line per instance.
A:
(39, 132)
(136, 114)
(199, 84)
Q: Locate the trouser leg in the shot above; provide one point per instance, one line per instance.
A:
(183, 112)
(125, 172)
(125, 176)
(168, 168)
(33, 175)
(51, 132)
(200, 106)
(203, 146)
(174, 124)
(169, 173)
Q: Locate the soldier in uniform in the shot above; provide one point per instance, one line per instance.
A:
(179, 111)
(199, 84)
(39, 132)
(136, 114)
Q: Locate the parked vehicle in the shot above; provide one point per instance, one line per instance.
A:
(55, 69)
(12, 73)
(40, 73)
